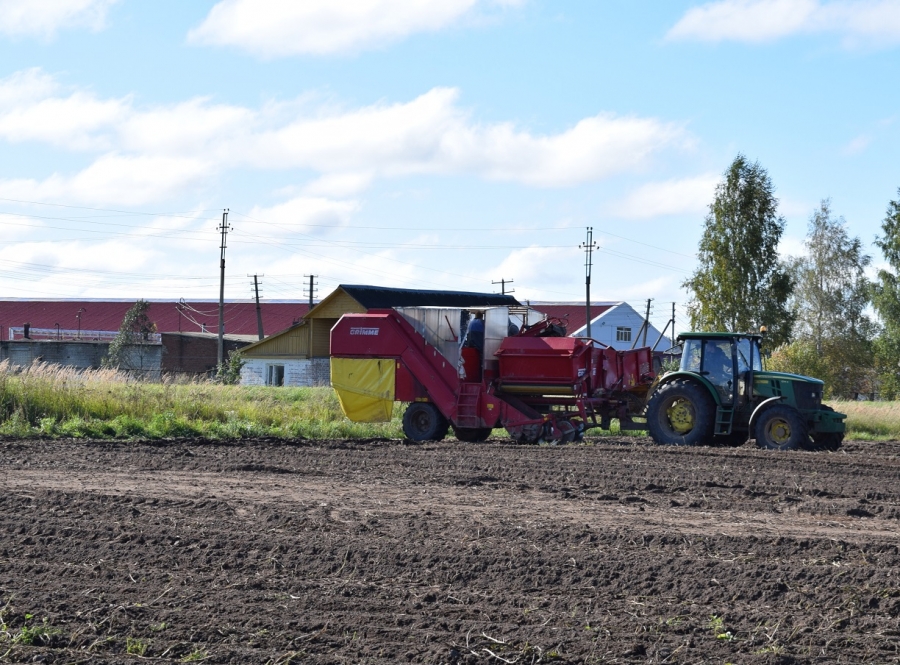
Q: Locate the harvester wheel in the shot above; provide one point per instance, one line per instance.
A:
(780, 427)
(681, 414)
(527, 434)
(568, 430)
(423, 422)
(472, 434)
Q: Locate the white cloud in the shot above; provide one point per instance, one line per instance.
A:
(275, 28)
(187, 128)
(670, 197)
(32, 109)
(537, 272)
(432, 134)
(340, 184)
(18, 226)
(113, 179)
(44, 18)
(302, 214)
(858, 22)
(857, 145)
(156, 151)
(790, 246)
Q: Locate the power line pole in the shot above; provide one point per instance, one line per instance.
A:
(311, 289)
(259, 325)
(647, 322)
(224, 228)
(673, 326)
(503, 283)
(588, 246)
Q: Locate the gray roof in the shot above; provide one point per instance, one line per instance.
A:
(380, 297)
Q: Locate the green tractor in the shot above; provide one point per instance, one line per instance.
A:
(722, 395)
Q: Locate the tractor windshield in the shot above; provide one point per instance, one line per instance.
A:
(748, 355)
(690, 355)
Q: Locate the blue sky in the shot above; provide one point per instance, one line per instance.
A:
(411, 143)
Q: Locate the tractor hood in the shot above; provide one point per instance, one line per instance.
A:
(785, 376)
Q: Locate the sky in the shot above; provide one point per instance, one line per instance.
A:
(438, 144)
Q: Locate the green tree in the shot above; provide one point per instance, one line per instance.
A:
(886, 301)
(229, 372)
(740, 283)
(833, 335)
(126, 351)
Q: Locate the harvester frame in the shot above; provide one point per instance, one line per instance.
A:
(539, 388)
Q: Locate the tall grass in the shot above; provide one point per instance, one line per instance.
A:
(54, 401)
(49, 400)
(871, 421)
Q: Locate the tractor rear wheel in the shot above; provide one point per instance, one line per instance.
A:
(423, 422)
(681, 413)
(472, 434)
(780, 427)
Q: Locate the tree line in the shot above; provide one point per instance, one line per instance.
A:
(817, 307)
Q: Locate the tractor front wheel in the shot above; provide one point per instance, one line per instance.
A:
(781, 428)
(423, 422)
(681, 413)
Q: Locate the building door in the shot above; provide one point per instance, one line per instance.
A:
(275, 375)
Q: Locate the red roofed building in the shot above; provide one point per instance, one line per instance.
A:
(71, 319)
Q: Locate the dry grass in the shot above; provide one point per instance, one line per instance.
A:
(49, 400)
(871, 421)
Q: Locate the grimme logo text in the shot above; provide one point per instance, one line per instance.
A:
(364, 331)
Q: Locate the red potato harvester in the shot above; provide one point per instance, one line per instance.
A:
(538, 385)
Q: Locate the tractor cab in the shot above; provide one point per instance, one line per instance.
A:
(726, 360)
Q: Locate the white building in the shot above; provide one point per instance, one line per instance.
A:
(616, 324)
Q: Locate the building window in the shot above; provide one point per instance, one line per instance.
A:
(623, 334)
(274, 375)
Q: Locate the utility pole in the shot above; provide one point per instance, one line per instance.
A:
(311, 289)
(588, 246)
(224, 228)
(81, 310)
(503, 283)
(309, 324)
(673, 326)
(670, 322)
(647, 322)
(259, 326)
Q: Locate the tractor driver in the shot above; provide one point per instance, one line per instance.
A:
(718, 369)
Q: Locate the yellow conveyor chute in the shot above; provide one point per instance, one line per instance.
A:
(365, 388)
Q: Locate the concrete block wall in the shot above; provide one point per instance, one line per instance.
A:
(297, 372)
(80, 355)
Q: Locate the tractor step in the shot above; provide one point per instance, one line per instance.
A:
(724, 421)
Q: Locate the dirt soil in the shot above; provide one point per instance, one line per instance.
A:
(613, 551)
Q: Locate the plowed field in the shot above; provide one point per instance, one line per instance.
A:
(613, 551)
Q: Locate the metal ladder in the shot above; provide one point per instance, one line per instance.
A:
(724, 420)
(467, 405)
